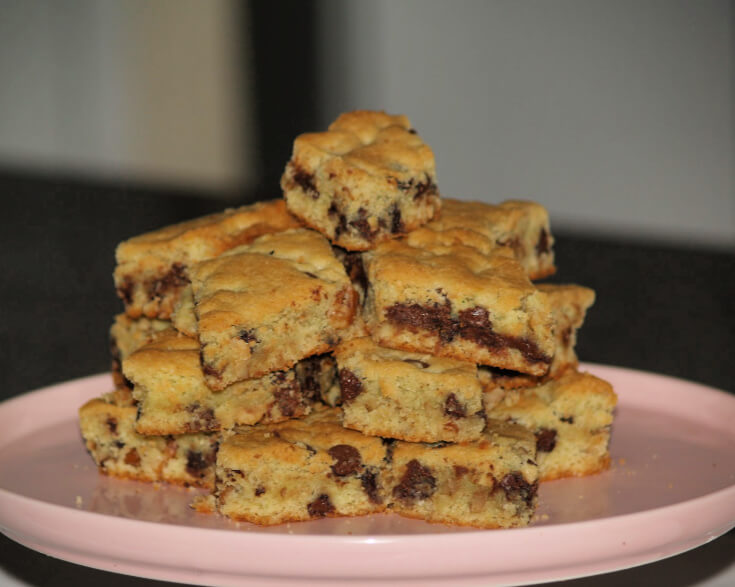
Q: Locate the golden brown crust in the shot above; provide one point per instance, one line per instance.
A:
(571, 417)
(152, 267)
(264, 306)
(411, 396)
(521, 225)
(366, 179)
(173, 397)
(452, 300)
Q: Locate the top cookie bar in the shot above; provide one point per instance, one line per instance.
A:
(522, 226)
(152, 268)
(368, 178)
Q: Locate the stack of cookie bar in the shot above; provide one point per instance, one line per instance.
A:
(361, 345)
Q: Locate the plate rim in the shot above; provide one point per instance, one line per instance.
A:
(707, 528)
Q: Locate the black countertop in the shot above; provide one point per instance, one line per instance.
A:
(660, 308)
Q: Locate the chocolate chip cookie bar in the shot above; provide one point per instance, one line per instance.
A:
(264, 306)
(571, 418)
(368, 178)
(152, 268)
(108, 427)
(411, 396)
(490, 483)
(126, 336)
(522, 226)
(425, 295)
(300, 470)
(173, 397)
(569, 305)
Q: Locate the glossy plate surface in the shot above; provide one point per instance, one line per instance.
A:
(671, 488)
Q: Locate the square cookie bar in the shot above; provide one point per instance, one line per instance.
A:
(300, 470)
(569, 305)
(173, 397)
(108, 427)
(152, 268)
(571, 418)
(521, 225)
(490, 483)
(411, 396)
(264, 306)
(127, 335)
(452, 300)
(366, 179)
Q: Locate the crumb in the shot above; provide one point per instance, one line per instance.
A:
(78, 501)
(622, 462)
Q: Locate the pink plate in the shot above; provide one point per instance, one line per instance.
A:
(671, 488)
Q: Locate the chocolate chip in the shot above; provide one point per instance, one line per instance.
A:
(396, 223)
(362, 225)
(351, 386)
(289, 398)
(369, 482)
(175, 278)
(203, 418)
(347, 459)
(111, 425)
(208, 369)
(416, 363)
(119, 444)
(545, 439)
(454, 408)
(259, 490)
(196, 462)
(132, 458)
(567, 419)
(320, 507)
(248, 335)
(515, 486)
(460, 471)
(390, 447)
(125, 290)
(417, 483)
(543, 245)
(341, 220)
(352, 262)
(305, 181)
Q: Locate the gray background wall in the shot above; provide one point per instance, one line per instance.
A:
(617, 115)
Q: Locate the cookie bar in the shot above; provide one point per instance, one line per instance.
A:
(521, 225)
(411, 396)
(452, 300)
(571, 418)
(173, 397)
(108, 428)
(153, 267)
(366, 179)
(490, 483)
(569, 305)
(300, 470)
(128, 335)
(264, 306)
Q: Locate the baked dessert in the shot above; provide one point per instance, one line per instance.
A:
(153, 267)
(173, 397)
(569, 305)
(452, 300)
(490, 483)
(300, 470)
(411, 396)
(264, 306)
(571, 418)
(108, 427)
(368, 178)
(126, 336)
(521, 225)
